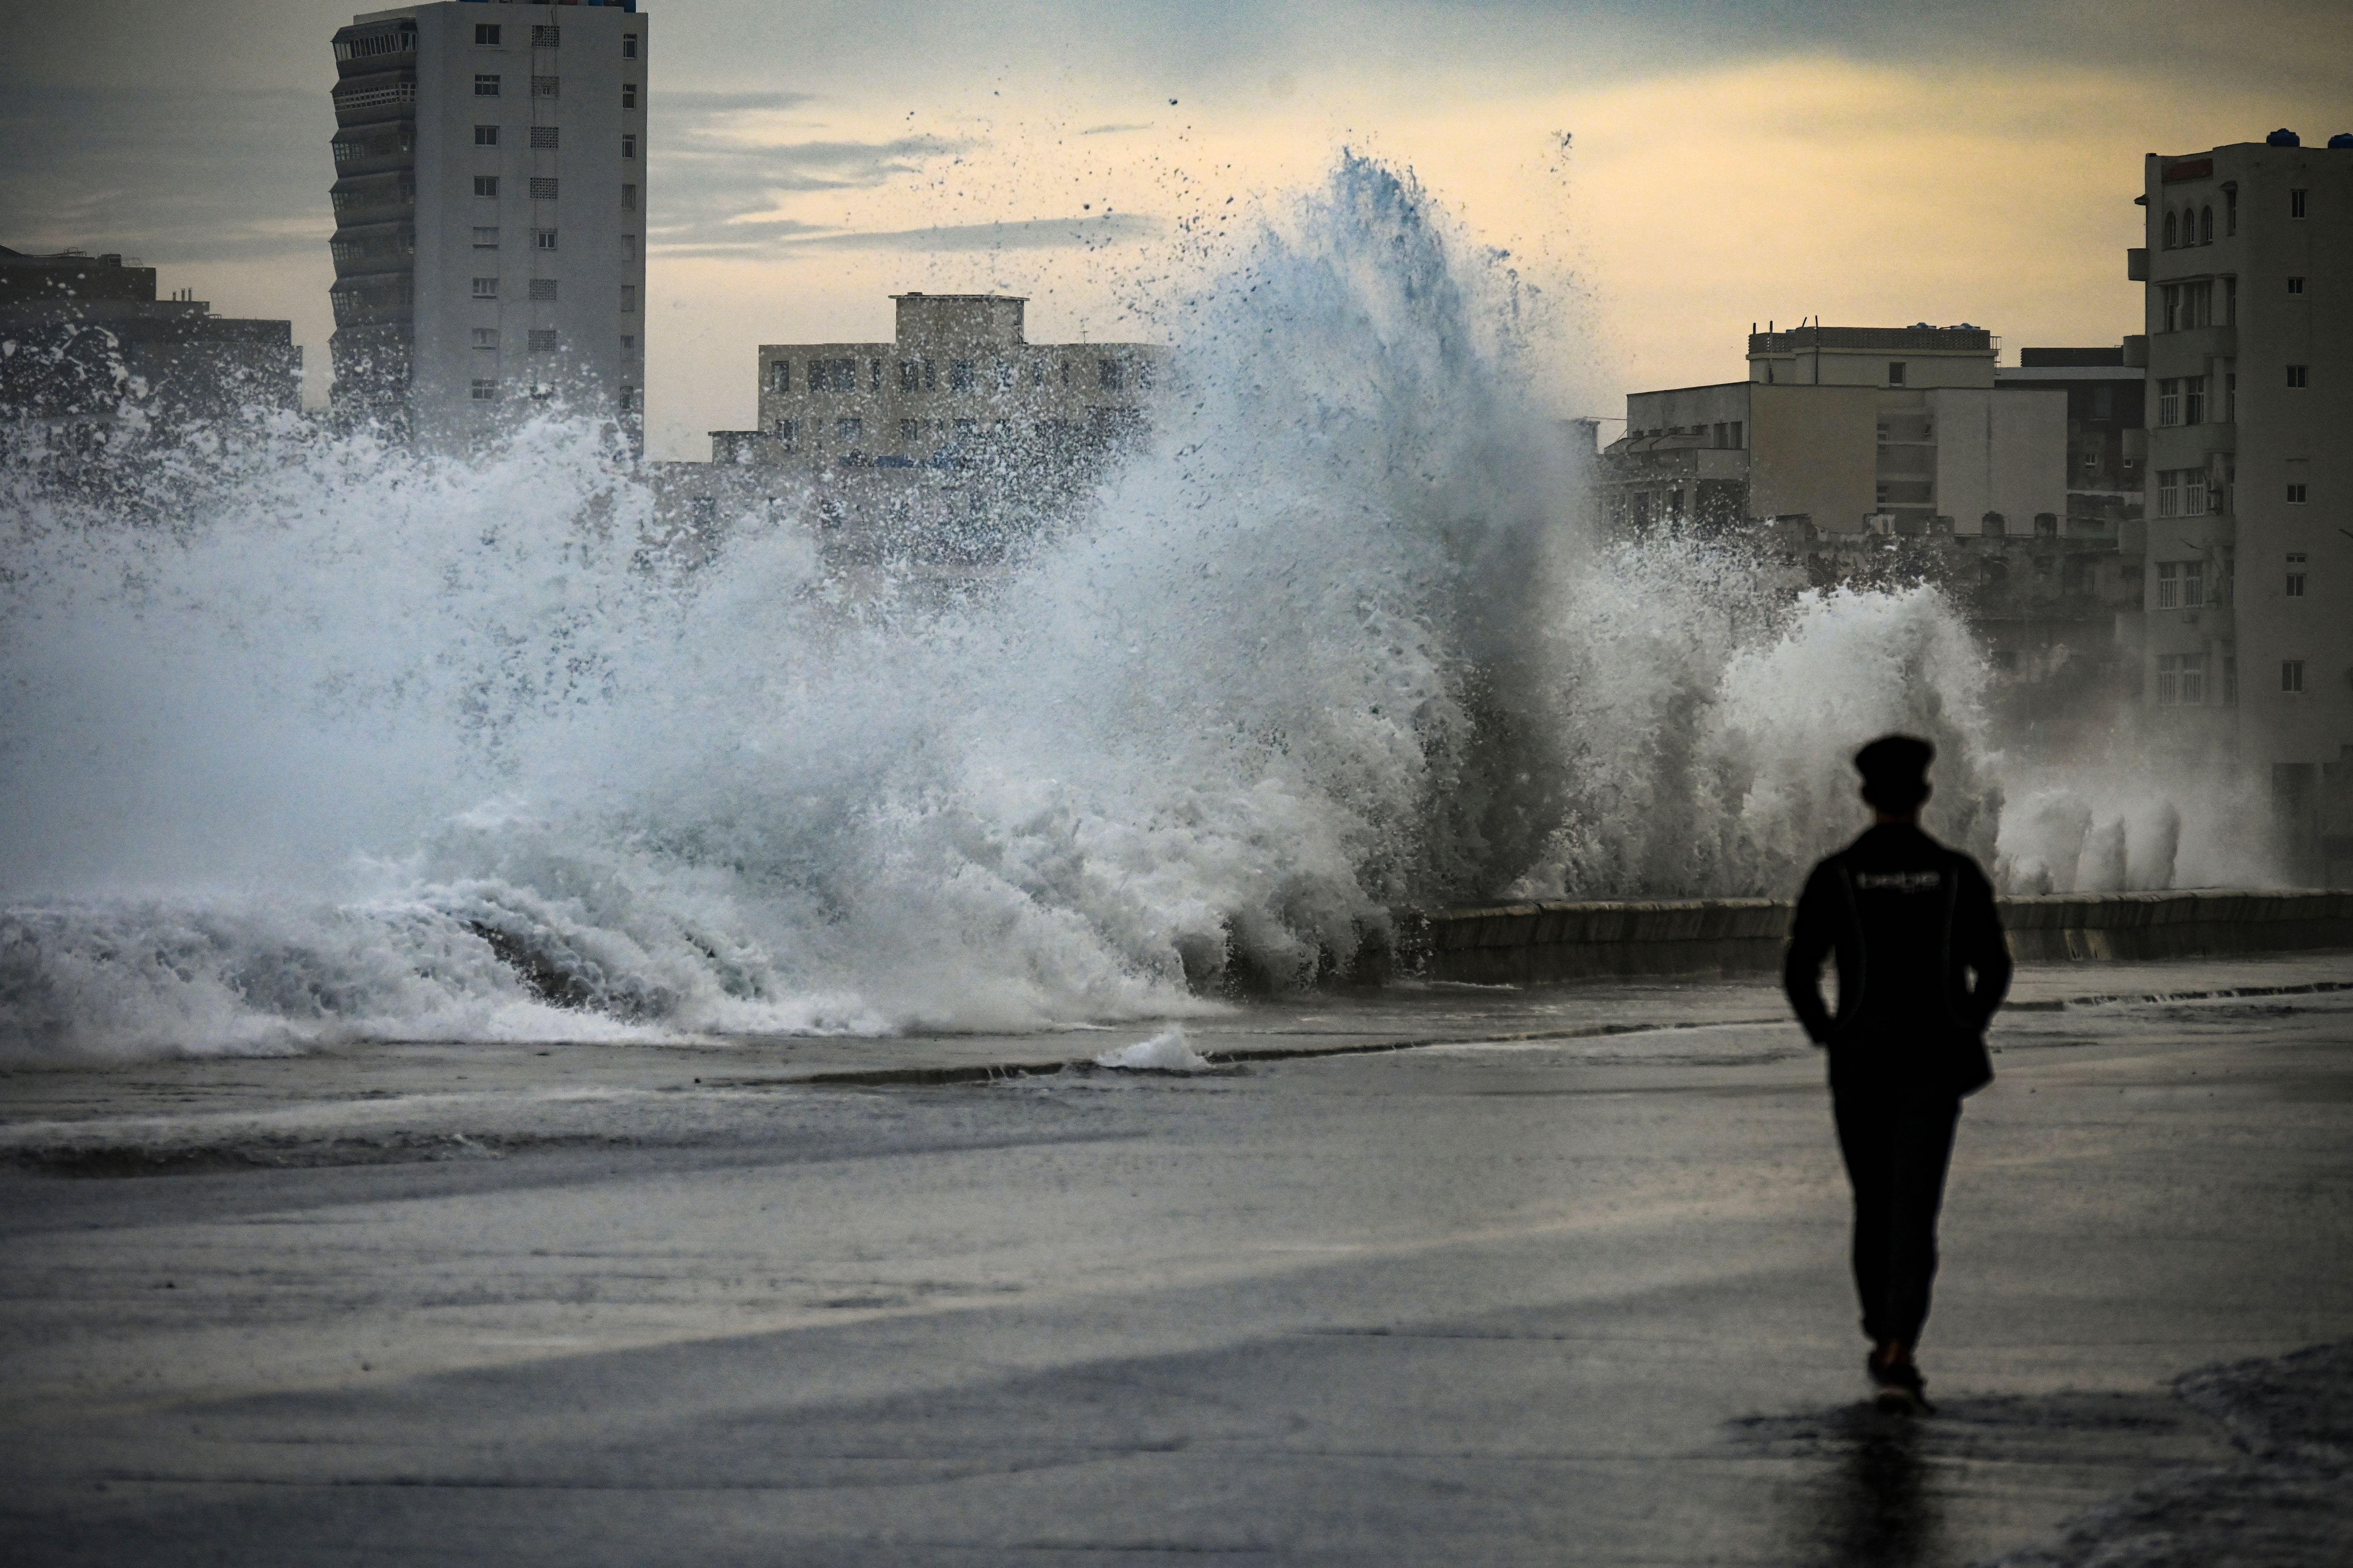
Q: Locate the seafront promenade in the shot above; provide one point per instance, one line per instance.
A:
(1420, 1274)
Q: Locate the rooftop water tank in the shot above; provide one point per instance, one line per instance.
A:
(2343, 139)
(2282, 137)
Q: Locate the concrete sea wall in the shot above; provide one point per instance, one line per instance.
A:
(1532, 942)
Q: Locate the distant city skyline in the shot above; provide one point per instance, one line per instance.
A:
(1868, 162)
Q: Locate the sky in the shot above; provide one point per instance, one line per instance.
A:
(1670, 171)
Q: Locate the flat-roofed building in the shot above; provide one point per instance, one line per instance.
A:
(1886, 429)
(489, 202)
(88, 341)
(2248, 263)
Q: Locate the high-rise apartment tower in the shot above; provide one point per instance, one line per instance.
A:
(2249, 263)
(489, 216)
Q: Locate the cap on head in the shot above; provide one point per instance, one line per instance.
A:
(1894, 770)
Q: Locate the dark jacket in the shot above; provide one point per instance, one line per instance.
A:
(1911, 922)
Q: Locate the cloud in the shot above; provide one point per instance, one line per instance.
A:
(1089, 232)
(1114, 130)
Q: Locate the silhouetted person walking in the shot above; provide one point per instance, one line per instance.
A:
(1921, 967)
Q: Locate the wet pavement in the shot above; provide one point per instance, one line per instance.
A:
(1574, 1297)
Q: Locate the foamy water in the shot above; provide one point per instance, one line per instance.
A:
(328, 739)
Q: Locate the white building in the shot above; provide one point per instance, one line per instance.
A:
(2249, 267)
(489, 215)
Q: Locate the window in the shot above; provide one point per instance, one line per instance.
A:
(486, 337)
(486, 34)
(486, 85)
(488, 136)
(2205, 225)
(2168, 229)
(628, 344)
(833, 376)
(629, 247)
(2231, 209)
(1004, 374)
(542, 239)
(780, 375)
(627, 400)
(628, 46)
(2295, 495)
(1895, 372)
(546, 87)
(1736, 443)
(486, 184)
(543, 189)
(2193, 679)
(2193, 492)
(629, 303)
(628, 198)
(543, 289)
(2295, 209)
(2168, 401)
(787, 429)
(547, 38)
(543, 340)
(2296, 285)
(2168, 585)
(2231, 398)
(849, 432)
(960, 375)
(2193, 397)
(2291, 670)
(629, 146)
(2299, 375)
(2295, 574)
(543, 138)
(874, 374)
(484, 390)
(2193, 584)
(628, 95)
(486, 239)
(2230, 300)
(1110, 374)
(486, 287)
(911, 430)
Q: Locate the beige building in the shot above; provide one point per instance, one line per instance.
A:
(1891, 430)
(2249, 587)
(957, 388)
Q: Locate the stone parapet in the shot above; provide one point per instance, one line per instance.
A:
(1531, 943)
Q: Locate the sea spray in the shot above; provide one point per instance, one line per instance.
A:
(318, 739)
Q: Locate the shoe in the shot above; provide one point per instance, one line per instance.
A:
(1902, 1391)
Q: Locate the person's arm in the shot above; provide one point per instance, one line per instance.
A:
(1983, 947)
(1811, 936)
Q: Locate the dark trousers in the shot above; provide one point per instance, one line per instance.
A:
(1896, 1149)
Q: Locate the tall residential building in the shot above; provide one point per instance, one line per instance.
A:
(489, 216)
(2249, 596)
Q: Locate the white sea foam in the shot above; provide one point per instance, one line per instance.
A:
(311, 738)
(1167, 1051)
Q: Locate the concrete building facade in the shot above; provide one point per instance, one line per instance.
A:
(89, 341)
(2248, 262)
(489, 201)
(1891, 430)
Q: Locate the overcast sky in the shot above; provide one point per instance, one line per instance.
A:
(1681, 169)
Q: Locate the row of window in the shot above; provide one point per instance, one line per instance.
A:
(2182, 400)
(544, 189)
(490, 84)
(486, 237)
(543, 291)
(2187, 492)
(2181, 585)
(492, 35)
(2195, 225)
(964, 375)
(851, 431)
(2181, 679)
(544, 139)
(485, 389)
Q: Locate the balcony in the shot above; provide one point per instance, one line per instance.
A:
(2186, 353)
(2136, 264)
(364, 100)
